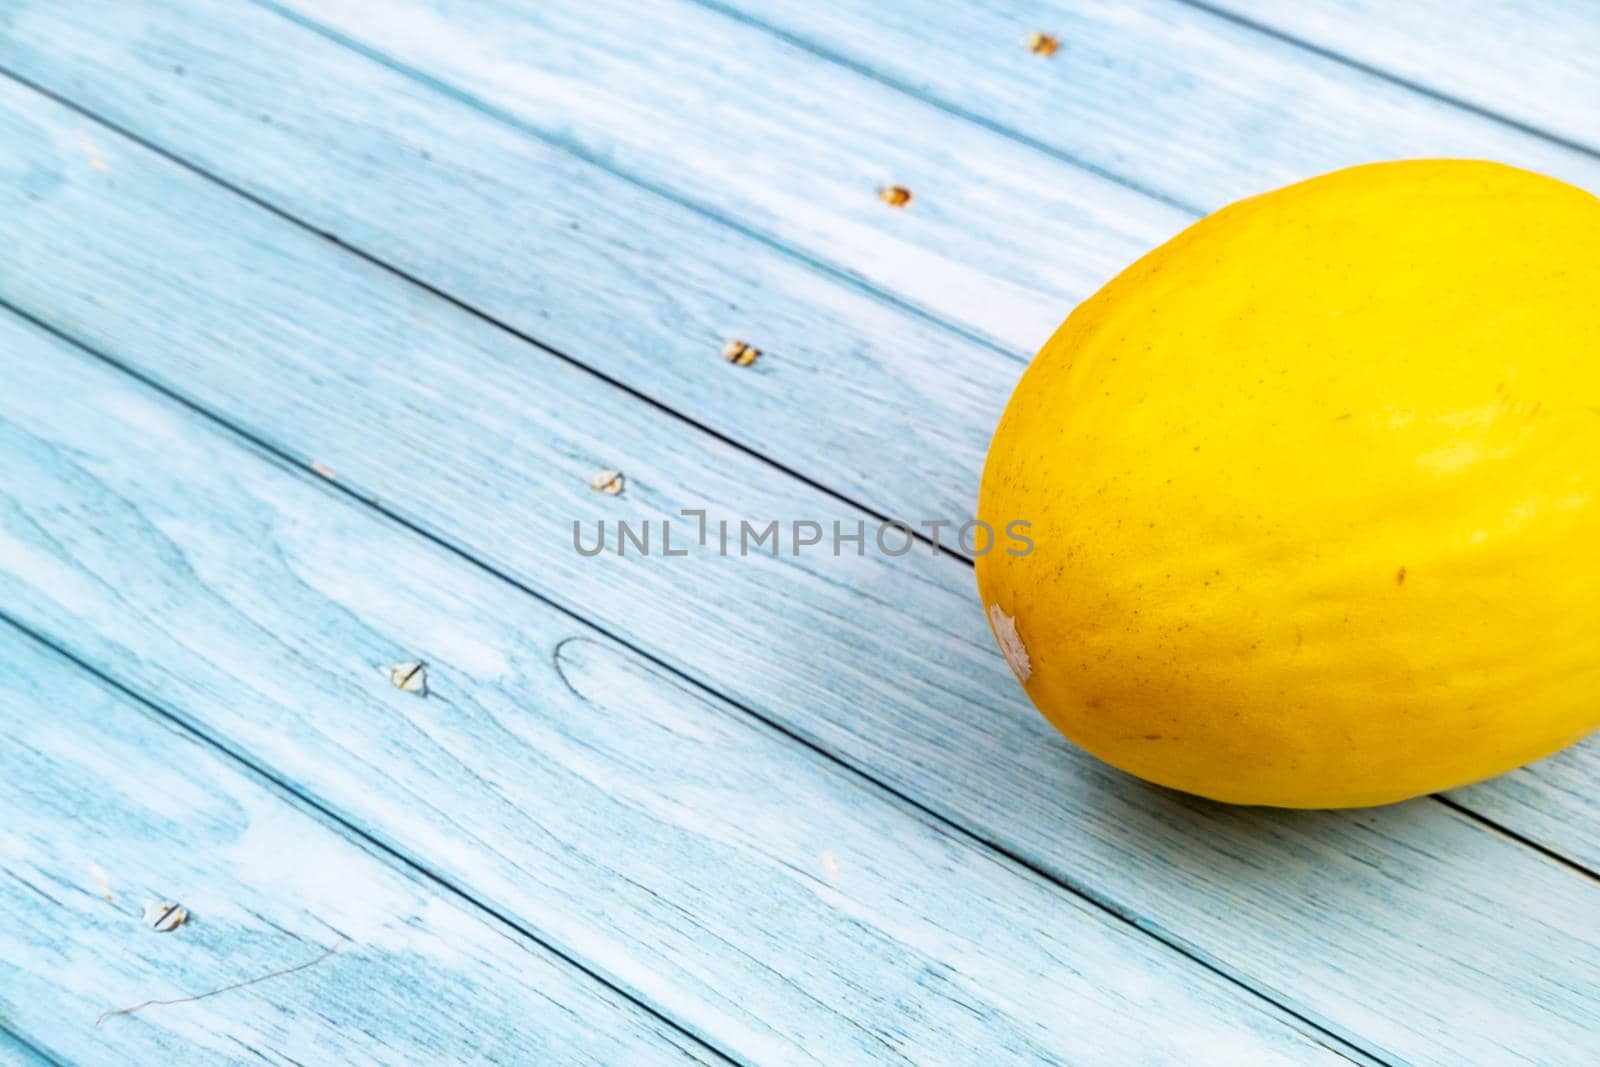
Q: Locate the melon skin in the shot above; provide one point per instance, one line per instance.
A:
(1315, 492)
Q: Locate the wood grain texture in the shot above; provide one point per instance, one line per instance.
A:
(1552, 802)
(1376, 924)
(14, 1052)
(997, 238)
(639, 288)
(1174, 99)
(1535, 62)
(442, 212)
(717, 870)
(107, 807)
(597, 79)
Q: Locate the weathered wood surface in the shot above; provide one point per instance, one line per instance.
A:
(593, 78)
(213, 101)
(1172, 98)
(880, 660)
(107, 807)
(1551, 802)
(1532, 62)
(722, 874)
(543, 242)
(998, 237)
(15, 1052)
(586, 176)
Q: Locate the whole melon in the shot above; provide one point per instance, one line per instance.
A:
(1314, 493)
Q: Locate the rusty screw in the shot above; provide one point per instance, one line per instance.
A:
(410, 677)
(608, 482)
(164, 916)
(740, 354)
(1042, 44)
(895, 195)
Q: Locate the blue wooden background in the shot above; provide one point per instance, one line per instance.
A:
(318, 319)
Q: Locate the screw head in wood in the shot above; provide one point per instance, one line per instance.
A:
(895, 195)
(164, 916)
(1042, 44)
(410, 677)
(609, 482)
(740, 354)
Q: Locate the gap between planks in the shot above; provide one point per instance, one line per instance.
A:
(507, 118)
(500, 115)
(19, 1051)
(977, 118)
(1220, 13)
(248, 770)
(503, 115)
(1326, 52)
(310, 805)
(406, 276)
(1348, 1046)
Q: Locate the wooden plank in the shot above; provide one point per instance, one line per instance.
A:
(467, 216)
(1534, 62)
(997, 237)
(15, 1052)
(717, 870)
(1377, 923)
(640, 86)
(1553, 802)
(107, 807)
(544, 242)
(1172, 98)
(596, 79)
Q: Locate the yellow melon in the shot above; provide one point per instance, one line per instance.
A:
(1314, 492)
